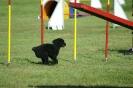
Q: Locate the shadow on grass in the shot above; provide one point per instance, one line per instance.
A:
(32, 62)
(40, 63)
(71, 86)
(67, 60)
(119, 51)
(50, 62)
(2, 64)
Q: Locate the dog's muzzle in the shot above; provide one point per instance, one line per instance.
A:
(63, 45)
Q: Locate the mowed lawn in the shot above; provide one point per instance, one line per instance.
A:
(90, 69)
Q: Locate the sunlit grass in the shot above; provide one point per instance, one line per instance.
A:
(90, 68)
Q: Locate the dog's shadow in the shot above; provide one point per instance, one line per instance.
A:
(2, 63)
(119, 51)
(40, 63)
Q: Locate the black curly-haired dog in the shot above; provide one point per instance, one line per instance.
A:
(45, 51)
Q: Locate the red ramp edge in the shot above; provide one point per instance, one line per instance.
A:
(101, 14)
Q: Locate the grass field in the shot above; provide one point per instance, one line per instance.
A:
(89, 71)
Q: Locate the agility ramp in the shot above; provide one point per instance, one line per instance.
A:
(101, 14)
(50, 5)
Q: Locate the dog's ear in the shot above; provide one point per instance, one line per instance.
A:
(54, 41)
(60, 42)
(57, 40)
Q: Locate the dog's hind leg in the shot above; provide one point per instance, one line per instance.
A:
(45, 59)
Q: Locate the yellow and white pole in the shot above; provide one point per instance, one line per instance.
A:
(9, 32)
(75, 33)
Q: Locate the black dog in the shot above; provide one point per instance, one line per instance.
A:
(49, 50)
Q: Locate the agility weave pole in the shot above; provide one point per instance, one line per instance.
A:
(107, 33)
(75, 33)
(42, 22)
(9, 32)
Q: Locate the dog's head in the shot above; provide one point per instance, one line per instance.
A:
(59, 41)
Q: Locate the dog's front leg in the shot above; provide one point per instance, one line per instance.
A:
(55, 60)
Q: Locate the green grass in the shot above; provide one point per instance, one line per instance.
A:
(89, 71)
